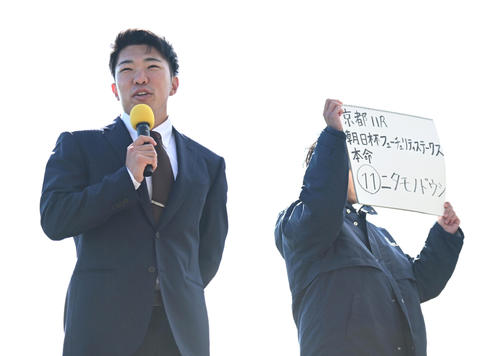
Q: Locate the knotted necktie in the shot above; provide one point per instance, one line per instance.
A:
(162, 178)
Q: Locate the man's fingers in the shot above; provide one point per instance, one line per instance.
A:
(330, 105)
(145, 154)
(448, 209)
(332, 114)
(452, 221)
(338, 102)
(333, 105)
(450, 218)
(145, 148)
(141, 140)
(145, 159)
(139, 154)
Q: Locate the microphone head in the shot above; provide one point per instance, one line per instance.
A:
(142, 113)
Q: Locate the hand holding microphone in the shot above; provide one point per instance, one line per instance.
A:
(141, 156)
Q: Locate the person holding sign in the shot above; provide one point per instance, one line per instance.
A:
(354, 290)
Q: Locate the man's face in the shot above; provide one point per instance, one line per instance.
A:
(142, 76)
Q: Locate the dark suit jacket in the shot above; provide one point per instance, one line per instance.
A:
(88, 194)
(355, 292)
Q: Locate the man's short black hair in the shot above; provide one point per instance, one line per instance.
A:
(143, 37)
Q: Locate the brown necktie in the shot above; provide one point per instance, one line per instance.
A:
(162, 178)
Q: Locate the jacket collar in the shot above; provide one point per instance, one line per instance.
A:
(119, 138)
(117, 134)
(187, 158)
(366, 209)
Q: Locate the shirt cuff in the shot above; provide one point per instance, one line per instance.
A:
(136, 183)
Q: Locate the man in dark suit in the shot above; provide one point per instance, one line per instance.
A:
(146, 247)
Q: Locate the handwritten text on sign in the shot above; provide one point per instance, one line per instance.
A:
(396, 160)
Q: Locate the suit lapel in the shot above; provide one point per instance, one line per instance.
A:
(119, 138)
(146, 202)
(186, 158)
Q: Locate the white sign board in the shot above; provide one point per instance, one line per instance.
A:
(396, 160)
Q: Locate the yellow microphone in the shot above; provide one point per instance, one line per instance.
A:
(142, 120)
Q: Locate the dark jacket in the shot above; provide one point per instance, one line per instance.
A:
(354, 291)
(88, 194)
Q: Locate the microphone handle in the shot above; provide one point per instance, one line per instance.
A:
(143, 129)
(148, 171)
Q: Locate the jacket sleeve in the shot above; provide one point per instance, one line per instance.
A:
(312, 223)
(70, 206)
(436, 262)
(213, 226)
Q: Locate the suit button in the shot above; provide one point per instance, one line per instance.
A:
(157, 235)
(151, 269)
(355, 223)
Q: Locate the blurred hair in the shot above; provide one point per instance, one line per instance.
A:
(310, 152)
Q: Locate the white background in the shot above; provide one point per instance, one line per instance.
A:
(253, 79)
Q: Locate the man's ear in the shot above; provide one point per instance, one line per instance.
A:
(115, 91)
(175, 85)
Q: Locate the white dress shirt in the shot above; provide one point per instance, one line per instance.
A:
(168, 140)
